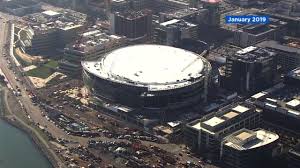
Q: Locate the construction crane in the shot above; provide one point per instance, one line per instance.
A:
(192, 62)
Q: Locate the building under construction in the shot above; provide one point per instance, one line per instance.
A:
(205, 135)
(249, 148)
(173, 31)
(281, 104)
(91, 45)
(49, 31)
(135, 25)
(128, 77)
(249, 70)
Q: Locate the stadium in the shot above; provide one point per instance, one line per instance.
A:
(148, 77)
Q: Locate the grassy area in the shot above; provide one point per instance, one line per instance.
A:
(44, 71)
(52, 64)
(40, 72)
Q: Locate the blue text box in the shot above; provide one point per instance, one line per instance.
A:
(248, 19)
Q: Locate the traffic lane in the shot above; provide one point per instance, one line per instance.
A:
(34, 112)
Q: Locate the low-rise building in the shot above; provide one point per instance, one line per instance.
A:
(294, 157)
(49, 31)
(20, 7)
(243, 3)
(193, 15)
(281, 103)
(252, 34)
(248, 148)
(91, 45)
(205, 135)
(288, 53)
(288, 11)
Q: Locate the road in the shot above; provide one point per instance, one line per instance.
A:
(12, 76)
(17, 80)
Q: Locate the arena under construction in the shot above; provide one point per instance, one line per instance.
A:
(152, 77)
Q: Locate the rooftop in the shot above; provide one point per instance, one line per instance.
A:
(281, 98)
(131, 14)
(15, 4)
(95, 38)
(246, 139)
(278, 46)
(51, 13)
(178, 23)
(214, 121)
(253, 54)
(295, 74)
(257, 29)
(287, 8)
(181, 13)
(140, 64)
(240, 109)
(53, 20)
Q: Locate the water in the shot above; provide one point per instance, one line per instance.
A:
(17, 150)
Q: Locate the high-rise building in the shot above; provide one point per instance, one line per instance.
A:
(249, 70)
(214, 15)
(205, 135)
(173, 31)
(135, 25)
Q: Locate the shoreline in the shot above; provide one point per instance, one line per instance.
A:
(34, 139)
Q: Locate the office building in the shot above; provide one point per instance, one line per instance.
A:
(252, 34)
(288, 11)
(214, 15)
(288, 53)
(205, 135)
(91, 45)
(248, 149)
(20, 7)
(193, 15)
(249, 70)
(173, 31)
(158, 6)
(134, 25)
(294, 157)
(50, 31)
(281, 103)
(243, 3)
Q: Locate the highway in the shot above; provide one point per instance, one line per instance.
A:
(16, 80)
(15, 77)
